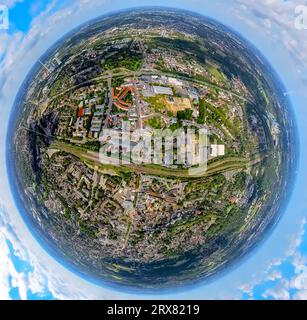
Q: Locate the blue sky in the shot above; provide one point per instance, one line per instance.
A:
(278, 270)
(22, 13)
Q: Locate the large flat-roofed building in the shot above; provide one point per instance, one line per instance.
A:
(163, 90)
(87, 111)
(96, 124)
(217, 150)
(148, 91)
(99, 111)
(175, 82)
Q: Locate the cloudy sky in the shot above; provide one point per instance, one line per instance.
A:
(278, 270)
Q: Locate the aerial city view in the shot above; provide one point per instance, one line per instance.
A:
(148, 77)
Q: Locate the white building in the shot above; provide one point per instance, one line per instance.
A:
(96, 124)
(99, 110)
(163, 90)
(217, 150)
(87, 111)
(79, 124)
(175, 82)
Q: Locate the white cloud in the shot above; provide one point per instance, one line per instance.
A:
(280, 292)
(274, 275)
(301, 295)
(275, 21)
(35, 280)
(10, 3)
(282, 287)
(43, 276)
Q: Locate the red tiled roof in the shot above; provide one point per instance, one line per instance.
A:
(80, 112)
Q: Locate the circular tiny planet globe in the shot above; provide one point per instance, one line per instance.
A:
(151, 148)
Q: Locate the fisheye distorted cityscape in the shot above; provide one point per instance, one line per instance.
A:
(153, 152)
